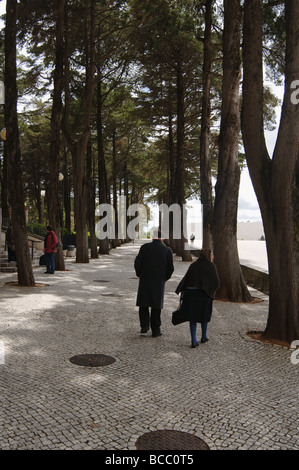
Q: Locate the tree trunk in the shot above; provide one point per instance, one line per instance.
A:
(232, 284)
(104, 242)
(54, 206)
(25, 273)
(4, 186)
(205, 163)
(179, 170)
(91, 210)
(66, 191)
(115, 242)
(296, 227)
(80, 201)
(274, 180)
(126, 194)
(171, 194)
(78, 147)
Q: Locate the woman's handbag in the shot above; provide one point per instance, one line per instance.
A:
(42, 260)
(179, 315)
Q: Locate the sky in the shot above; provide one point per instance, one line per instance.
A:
(248, 209)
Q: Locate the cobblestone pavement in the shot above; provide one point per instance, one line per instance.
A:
(233, 392)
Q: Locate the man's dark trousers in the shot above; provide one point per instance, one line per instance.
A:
(155, 319)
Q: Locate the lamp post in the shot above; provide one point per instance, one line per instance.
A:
(2, 93)
(43, 194)
(3, 134)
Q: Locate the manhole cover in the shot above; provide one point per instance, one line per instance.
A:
(92, 360)
(110, 294)
(101, 280)
(170, 440)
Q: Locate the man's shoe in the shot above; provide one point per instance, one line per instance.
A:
(144, 330)
(194, 345)
(155, 335)
(204, 340)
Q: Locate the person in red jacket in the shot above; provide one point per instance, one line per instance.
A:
(50, 250)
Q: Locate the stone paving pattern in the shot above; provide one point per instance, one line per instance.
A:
(232, 392)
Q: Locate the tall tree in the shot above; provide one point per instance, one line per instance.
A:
(54, 207)
(232, 283)
(205, 156)
(274, 179)
(103, 191)
(25, 273)
(165, 38)
(78, 146)
(91, 196)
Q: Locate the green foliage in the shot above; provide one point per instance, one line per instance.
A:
(38, 229)
(274, 40)
(270, 103)
(139, 44)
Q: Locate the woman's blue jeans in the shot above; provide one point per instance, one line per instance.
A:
(50, 260)
(193, 327)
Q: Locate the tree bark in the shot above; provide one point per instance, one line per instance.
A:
(274, 179)
(91, 210)
(232, 284)
(66, 191)
(116, 241)
(78, 147)
(4, 186)
(179, 170)
(205, 161)
(171, 193)
(104, 243)
(126, 194)
(80, 199)
(25, 272)
(54, 206)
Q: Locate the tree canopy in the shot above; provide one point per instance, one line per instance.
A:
(141, 98)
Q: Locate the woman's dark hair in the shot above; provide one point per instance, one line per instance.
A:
(205, 253)
(49, 228)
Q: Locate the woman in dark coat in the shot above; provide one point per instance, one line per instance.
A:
(198, 288)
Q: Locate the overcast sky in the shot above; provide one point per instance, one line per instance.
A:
(248, 208)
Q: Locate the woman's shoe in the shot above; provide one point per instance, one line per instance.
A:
(194, 345)
(204, 340)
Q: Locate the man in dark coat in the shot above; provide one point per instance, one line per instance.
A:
(154, 266)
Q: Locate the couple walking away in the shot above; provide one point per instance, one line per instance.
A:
(154, 266)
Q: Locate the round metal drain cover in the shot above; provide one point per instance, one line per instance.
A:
(111, 294)
(170, 440)
(92, 360)
(101, 280)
